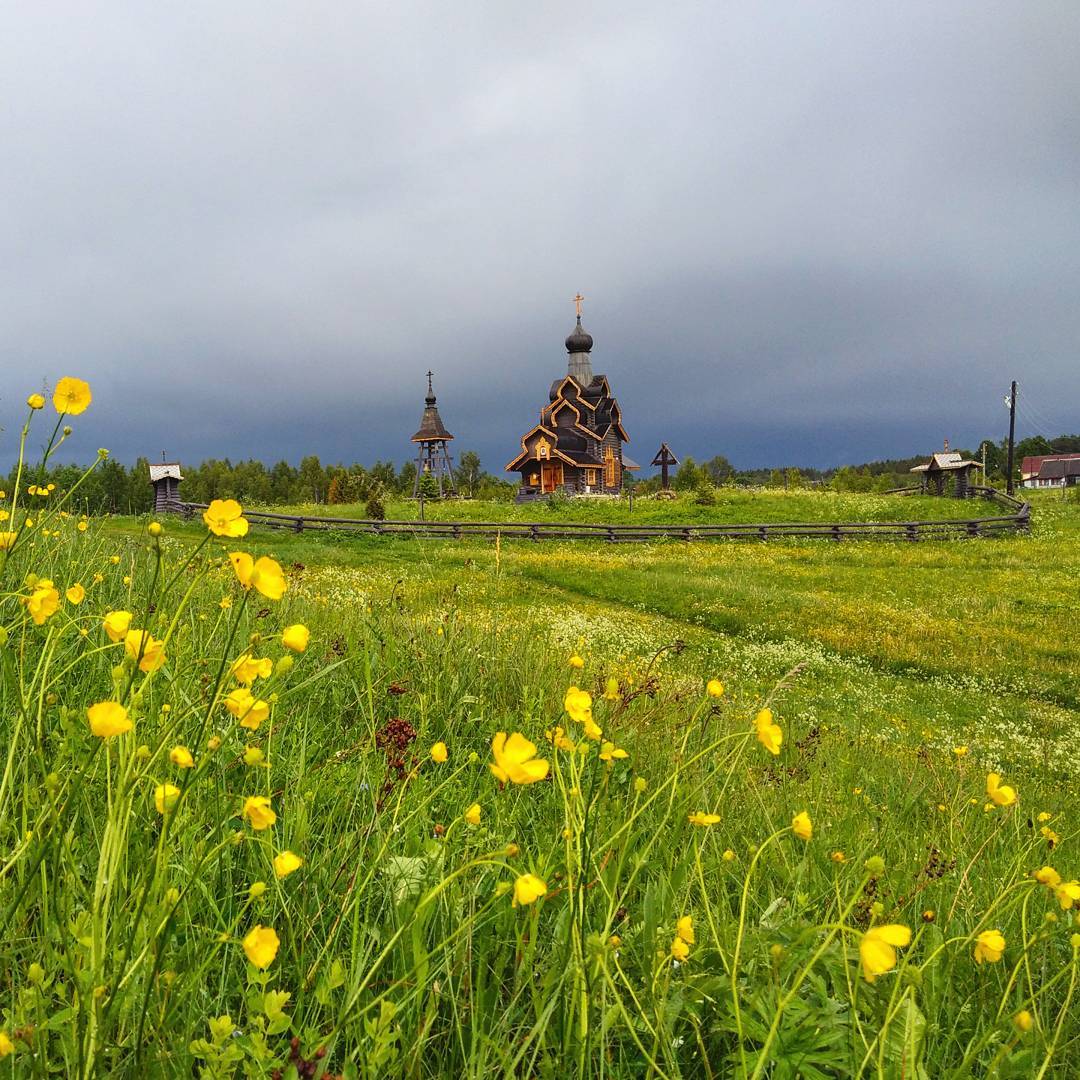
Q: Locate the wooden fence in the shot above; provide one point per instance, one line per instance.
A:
(955, 528)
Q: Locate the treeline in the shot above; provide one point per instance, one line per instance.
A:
(115, 488)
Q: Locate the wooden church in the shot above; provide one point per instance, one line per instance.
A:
(577, 447)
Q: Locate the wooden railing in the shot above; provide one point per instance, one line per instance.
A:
(952, 528)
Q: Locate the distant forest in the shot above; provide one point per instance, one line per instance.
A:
(116, 488)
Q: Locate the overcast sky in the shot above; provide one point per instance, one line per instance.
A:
(811, 233)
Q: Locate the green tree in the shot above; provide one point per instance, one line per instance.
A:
(720, 470)
(468, 472)
(687, 476)
(312, 480)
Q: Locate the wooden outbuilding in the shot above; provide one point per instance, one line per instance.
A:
(577, 447)
(166, 479)
(947, 473)
(433, 457)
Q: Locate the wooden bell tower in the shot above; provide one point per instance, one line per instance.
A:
(433, 456)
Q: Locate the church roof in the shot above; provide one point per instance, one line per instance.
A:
(579, 340)
(166, 468)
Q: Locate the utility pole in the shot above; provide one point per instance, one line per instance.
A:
(1012, 437)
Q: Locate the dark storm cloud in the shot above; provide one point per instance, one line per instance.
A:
(808, 233)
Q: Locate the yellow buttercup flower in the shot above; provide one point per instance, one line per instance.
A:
(802, 826)
(295, 637)
(1067, 893)
(439, 753)
(262, 574)
(286, 862)
(989, 946)
(575, 661)
(71, 396)
(1023, 1021)
(181, 757)
(559, 738)
(143, 646)
(728, 856)
(528, 888)
(611, 689)
(253, 755)
(515, 759)
(223, 517)
(7, 540)
(43, 601)
(249, 710)
(610, 752)
(960, 751)
(6, 1045)
(246, 669)
(257, 810)
(472, 814)
(108, 718)
(116, 624)
(877, 948)
(768, 733)
(261, 946)
(165, 796)
(714, 688)
(699, 818)
(1047, 875)
(685, 929)
(679, 949)
(75, 594)
(578, 706)
(999, 793)
(35, 401)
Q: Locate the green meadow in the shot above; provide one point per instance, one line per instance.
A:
(514, 809)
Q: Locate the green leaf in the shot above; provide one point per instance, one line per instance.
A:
(903, 1042)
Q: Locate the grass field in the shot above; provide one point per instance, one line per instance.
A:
(667, 897)
(731, 506)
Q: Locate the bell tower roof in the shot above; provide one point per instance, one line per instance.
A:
(431, 426)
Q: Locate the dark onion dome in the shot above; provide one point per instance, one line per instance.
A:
(580, 340)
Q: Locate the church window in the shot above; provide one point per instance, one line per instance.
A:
(611, 478)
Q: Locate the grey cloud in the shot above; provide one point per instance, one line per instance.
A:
(806, 233)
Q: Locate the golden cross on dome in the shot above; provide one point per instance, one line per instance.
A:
(577, 303)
